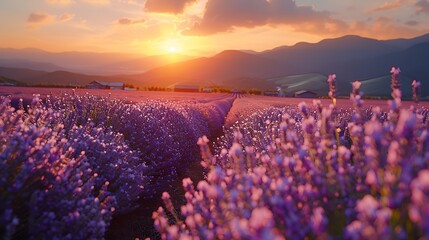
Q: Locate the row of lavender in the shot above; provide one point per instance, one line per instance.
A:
(312, 172)
(69, 163)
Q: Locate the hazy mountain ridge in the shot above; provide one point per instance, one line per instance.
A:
(350, 57)
(27, 64)
(406, 43)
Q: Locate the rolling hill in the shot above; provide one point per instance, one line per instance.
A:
(311, 82)
(9, 81)
(380, 86)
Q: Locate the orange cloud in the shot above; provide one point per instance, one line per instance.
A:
(97, 2)
(41, 18)
(128, 21)
(387, 6)
(422, 6)
(386, 28)
(36, 18)
(61, 2)
(66, 17)
(167, 6)
(412, 23)
(224, 15)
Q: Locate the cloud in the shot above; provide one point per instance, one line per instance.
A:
(36, 18)
(386, 28)
(388, 6)
(66, 17)
(133, 2)
(61, 2)
(411, 23)
(167, 6)
(224, 15)
(128, 21)
(97, 2)
(422, 6)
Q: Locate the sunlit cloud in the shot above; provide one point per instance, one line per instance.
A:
(422, 6)
(167, 6)
(388, 6)
(61, 2)
(37, 18)
(128, 21)
(132, 2)
(225, 15)
(66, 17)
(97, 2)
(386, 28)
(41, 18)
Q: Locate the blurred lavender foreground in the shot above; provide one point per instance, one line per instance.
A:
(312, 172)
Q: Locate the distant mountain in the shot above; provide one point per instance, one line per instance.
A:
(21, 74)
(84, 62)
(323, 56)
(291, 67)
(351, 57)
(34, 77)
(220, 69)
(406, 43)
(412, 61)
(19, 63)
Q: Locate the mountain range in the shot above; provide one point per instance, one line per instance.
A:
(350, 57)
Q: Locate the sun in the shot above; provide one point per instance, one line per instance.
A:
(173, 49)
(172, 46)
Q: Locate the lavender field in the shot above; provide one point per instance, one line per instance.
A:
(78, 164)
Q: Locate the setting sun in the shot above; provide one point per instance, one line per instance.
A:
(173, 49)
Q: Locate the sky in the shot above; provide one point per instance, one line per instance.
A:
(201, 27)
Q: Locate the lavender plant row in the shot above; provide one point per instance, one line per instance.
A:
(312, 172)
(48, 190)
(69, 163)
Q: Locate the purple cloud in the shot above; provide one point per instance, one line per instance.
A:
(422, 6)
(38, 17)
(128, 21)
(167, 6)
(224, 15)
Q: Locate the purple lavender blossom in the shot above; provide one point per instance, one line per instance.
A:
(416, 90)
(396, 82)
(332, 82)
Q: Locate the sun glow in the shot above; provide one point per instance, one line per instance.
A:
(172, 46)
(173, 49)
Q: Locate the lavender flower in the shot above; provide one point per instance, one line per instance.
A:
(419, 209)
(332, 81)
(396, 82)
(416, 90)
